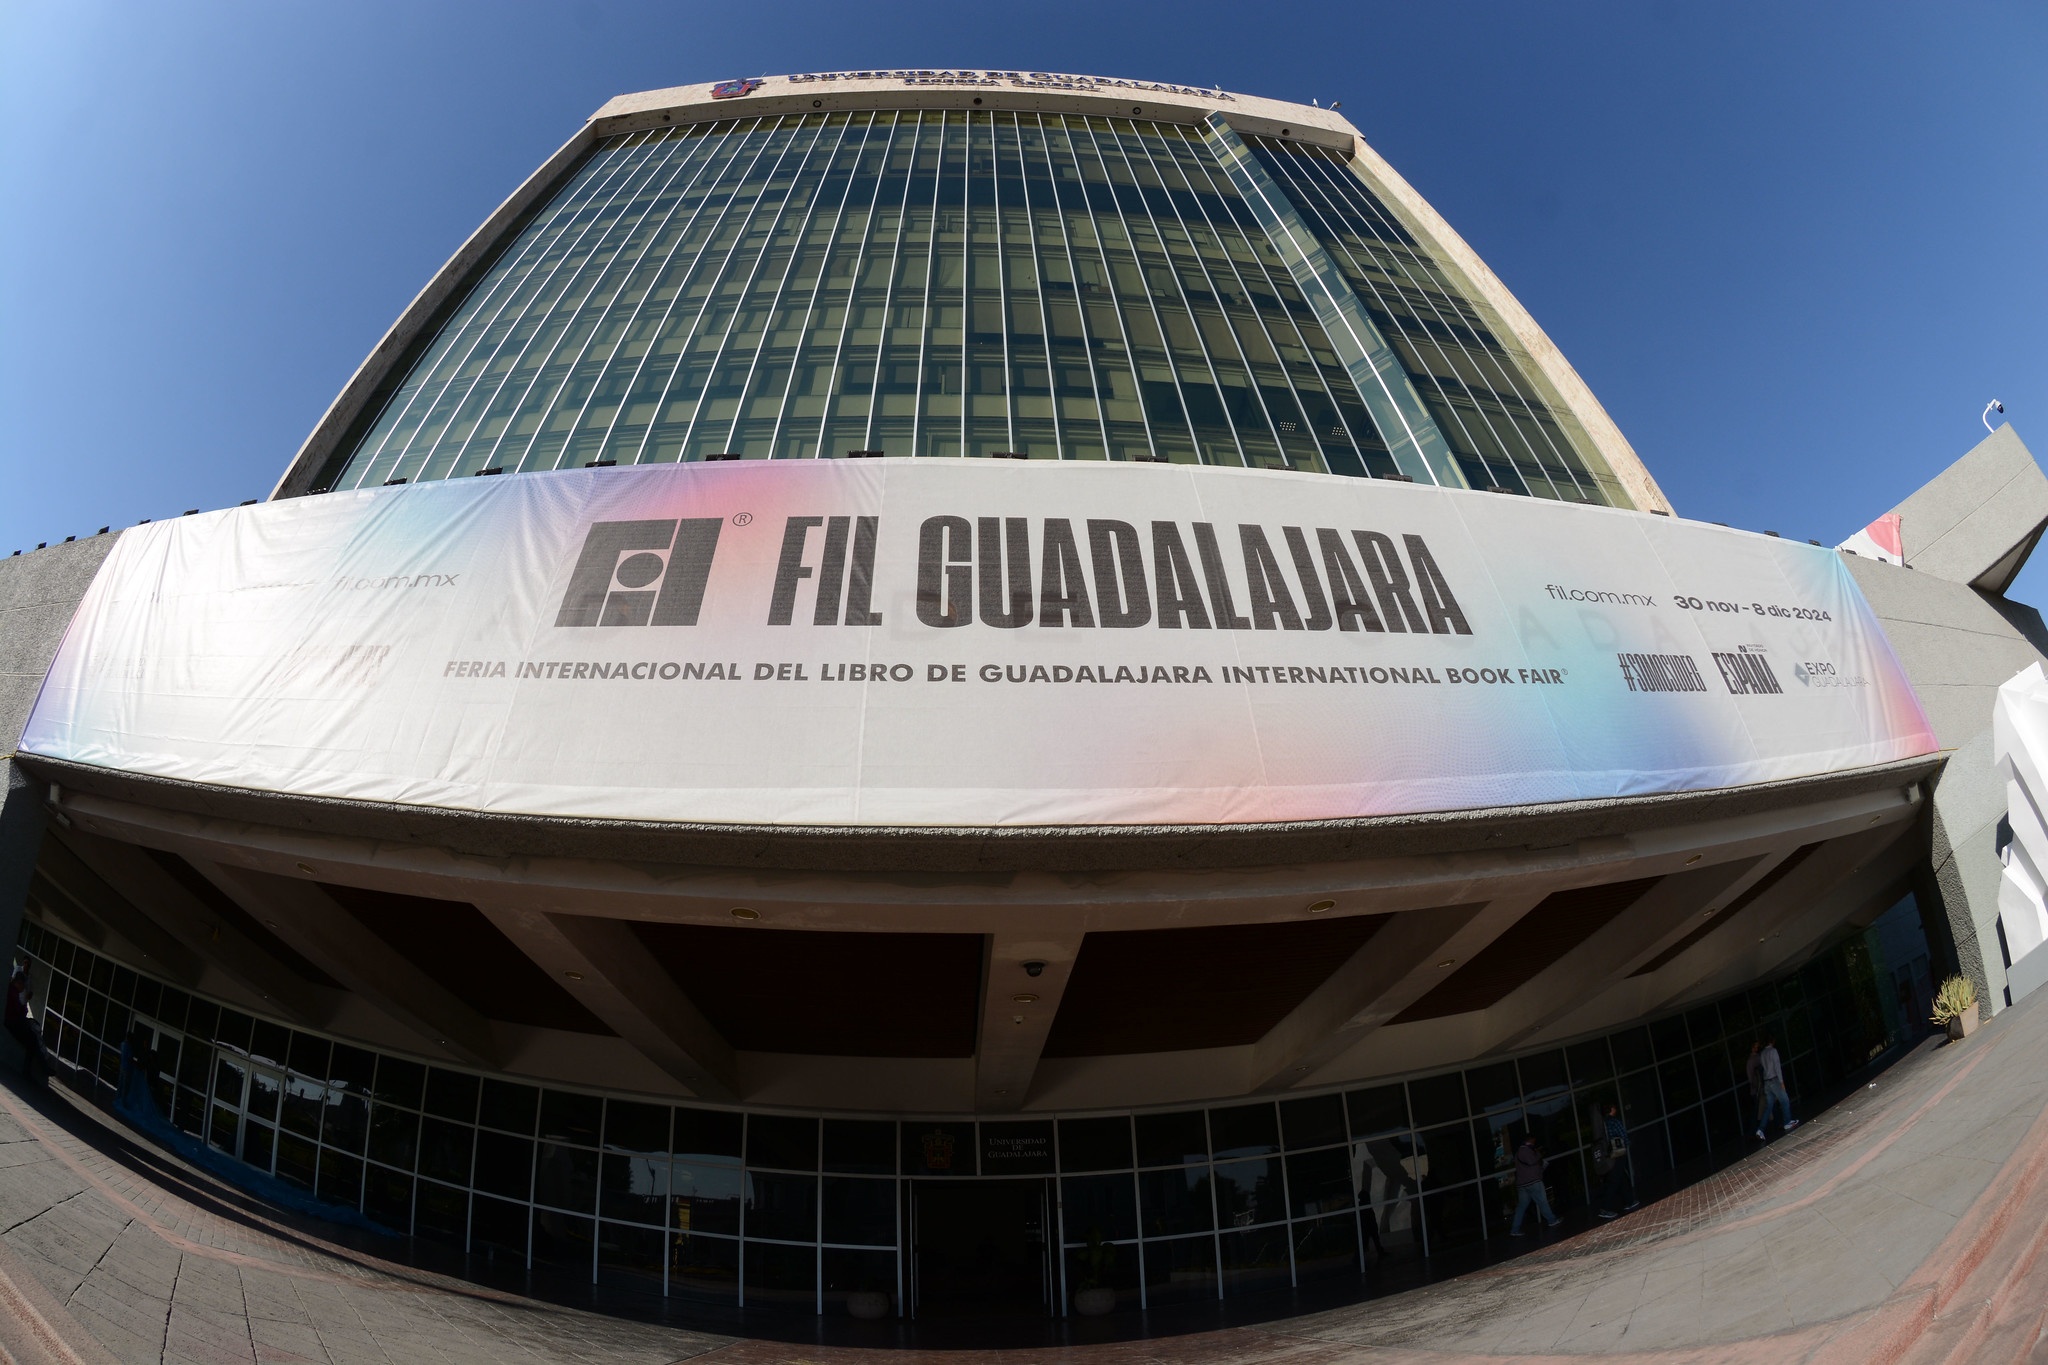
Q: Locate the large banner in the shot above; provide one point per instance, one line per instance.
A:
(896, 642)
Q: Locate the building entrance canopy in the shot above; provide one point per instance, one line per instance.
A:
(920, 643)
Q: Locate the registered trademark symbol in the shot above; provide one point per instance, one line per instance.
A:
(743, 518)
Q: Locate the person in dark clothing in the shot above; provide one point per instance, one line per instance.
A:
(1610, 1162)
(1529, 1164)
(35, 1063)
(1776, 1100)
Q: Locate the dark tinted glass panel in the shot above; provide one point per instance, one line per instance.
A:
(565, 1177)
(297, 1160)
(1543, 1074)
(1181, 1271)
(1312, 1122)
(452, 1095)
(1688, 1136)
(345, 1121)
(781, 1274)
(341, 1179)
(1256, 1260)
(1493, 1087)
(1452, 1218)
(858, 1272)
(1704, 1025)
(567, 1117)
(563, 1239)
(441, 1214)
(706, 1198)
(1631, 1049)
(1244, 1130)
(1640, 1100)
(303, 1101)
(258, 1145)
(1249, 1192)
(861, 1211)
(1326, 1248)
(499, 1226)
(634, 1188)
(1589, 1062)
(445, 1150)
(1669, 1038)
(1175, 1201)
(149, 998)
(508, 1106)
(233, 1031)
(310, 1054)
(271, 1043)
(1319, 1182)
(782, 1206)
(630, 1256)
(504, 1164)
(702, 1134)
(202, 1019)
(1383, 1109)
(1095, 1144)
(1170, 1139)
(387, 1198)
(1105, 1206)
(860, 1146)
(400, 1082)
(706, 1269)
(634, 1127)
(1437, 1099)
(776, 1140)
(123, 989)
(1681, 1083)
(1448, 1154)
(394, 1136)
(264, 1093)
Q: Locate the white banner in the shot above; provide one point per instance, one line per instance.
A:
(897, 642)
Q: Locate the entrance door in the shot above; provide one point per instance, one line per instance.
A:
(979, 1248)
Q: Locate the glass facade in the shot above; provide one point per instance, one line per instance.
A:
(964, 283)
(751, 1208)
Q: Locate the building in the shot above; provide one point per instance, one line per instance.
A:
(656, 795)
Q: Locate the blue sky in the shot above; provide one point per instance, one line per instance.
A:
(1793, 248)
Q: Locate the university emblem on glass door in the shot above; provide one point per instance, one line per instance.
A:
(726, 90)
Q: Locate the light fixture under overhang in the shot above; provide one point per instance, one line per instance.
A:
(741, 912)
(1694, 858)
(1448, 962)
(573, 976)
(1320, 907)
(1025, 999)
(303, 868)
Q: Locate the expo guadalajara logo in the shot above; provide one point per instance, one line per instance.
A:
(1012, 574)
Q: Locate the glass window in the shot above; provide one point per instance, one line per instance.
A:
(634, 1127)
(1180, 1271)
(859, 1146)
(508, 1106)
(1437, 1099)
(452, 1095)
(784, 1275)
(706, 1198)
(1589, 1062)
(1170, 1139)
(630, 1256)
(445, 1150)
(703, 1268)
(1543, 1074)
(776, 1140)
(1382, 1109)
(309, 1054)
(1175, 1201)
(1257, 1260)
(1320, 1182)
(569, 1117)
(504, 1164)
(1249, 1192)
(394, 1136)
(1095, 1144)
(634, 1188)
(1104, 1206)
(496, 1224)
(398, 1081)
(565, 1177)
(859, 1211)
(707, 1135)
(1244, 1130)
(782, 1206)
(1316, 1121)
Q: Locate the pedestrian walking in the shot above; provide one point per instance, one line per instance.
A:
(1775, 1097)
(1756, 1080)
(1610, 1162)
(1529, 1168)
(21, 1026)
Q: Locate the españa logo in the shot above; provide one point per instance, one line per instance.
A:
(726, 90)
(641, 573)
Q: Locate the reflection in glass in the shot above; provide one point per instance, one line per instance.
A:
(1249, 1192)
(706, 1198)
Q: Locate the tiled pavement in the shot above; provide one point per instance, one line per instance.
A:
(1909, 1222)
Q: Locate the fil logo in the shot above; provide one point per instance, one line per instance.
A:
(726, 90)
(641, 573)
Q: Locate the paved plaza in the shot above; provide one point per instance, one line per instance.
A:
(1908, 1222)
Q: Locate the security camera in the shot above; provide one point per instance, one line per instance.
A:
(1033, 968)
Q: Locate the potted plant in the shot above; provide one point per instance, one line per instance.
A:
(868, 1304)
(1095, 1262)
(1955, 1007)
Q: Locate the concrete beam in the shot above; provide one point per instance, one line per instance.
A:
(196, 926)
(62, 869)
(1014, 1028)
(333, 940)
(1389, 972)
(1663, 915)
(605, 966)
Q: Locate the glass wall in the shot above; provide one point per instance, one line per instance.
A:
(724, 1206)
(938, 283)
